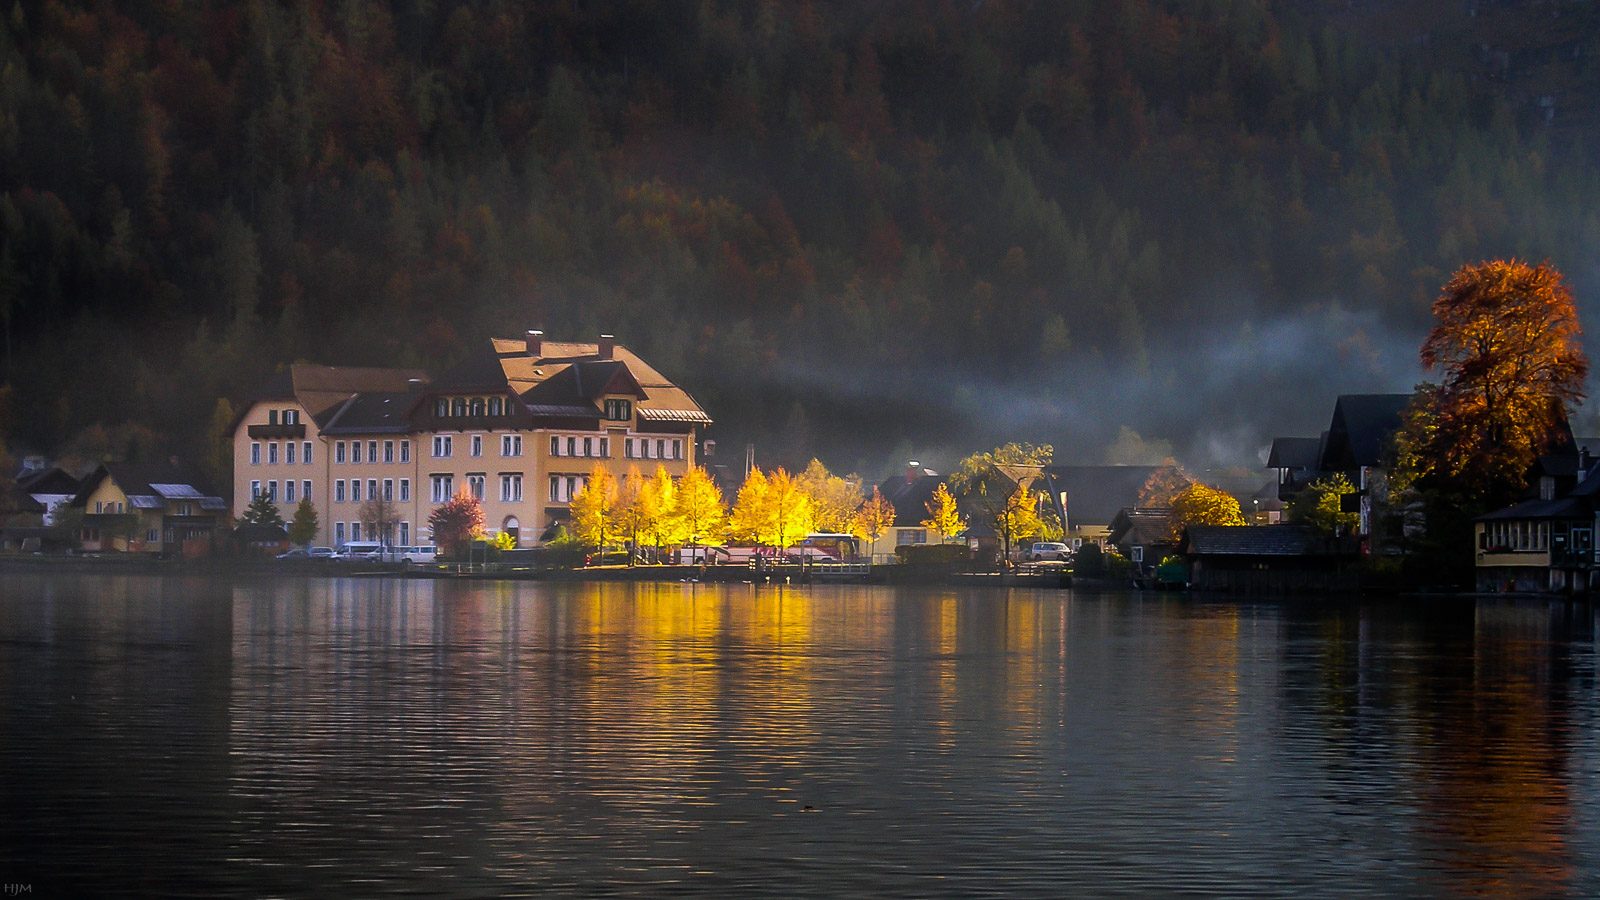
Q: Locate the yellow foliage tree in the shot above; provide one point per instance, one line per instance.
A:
(594, 510)
(746, 522)
(874, 519)
(662, 525)
(773, 510)
(1199, 504)
(698, 508)
(635, 509)
(943, 516)
(834, 499)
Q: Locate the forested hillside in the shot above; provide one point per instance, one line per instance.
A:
(833, 223)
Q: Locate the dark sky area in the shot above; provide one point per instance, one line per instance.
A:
(858, 231)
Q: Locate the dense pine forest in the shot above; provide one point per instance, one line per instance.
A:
(850, 229)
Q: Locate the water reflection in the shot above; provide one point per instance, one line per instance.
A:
(373, 737)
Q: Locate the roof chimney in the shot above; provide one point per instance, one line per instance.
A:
(912, 469)
(608, 342)
(535, 343)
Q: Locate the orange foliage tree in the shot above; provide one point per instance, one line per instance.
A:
(1506, 343)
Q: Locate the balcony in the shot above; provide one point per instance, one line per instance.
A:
(272, 432)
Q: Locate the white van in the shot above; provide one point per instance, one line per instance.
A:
(417, 554)
(368, 550)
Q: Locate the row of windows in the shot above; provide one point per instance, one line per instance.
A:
(444, 445)
(443, 487)
(108, 506)
(1515, 536)
(397, 534)
(354, 454)
(447, 407)
(593, 447)
(288, 453)
(288, 490)
(641, 448)
(288, 417)
(356, 496)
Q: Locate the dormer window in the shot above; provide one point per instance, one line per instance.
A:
(477, 406)
(496, 406)
(272, 417)
(619, 410)
(1547, 487)
(458, 406)
(441, 407)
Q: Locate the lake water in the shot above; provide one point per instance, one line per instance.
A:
(357, 738)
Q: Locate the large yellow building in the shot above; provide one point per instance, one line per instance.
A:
(519, 424)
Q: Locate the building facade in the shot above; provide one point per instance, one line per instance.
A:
(520, 425)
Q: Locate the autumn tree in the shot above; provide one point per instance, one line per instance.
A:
(874, 519)
(303, 527)
(659, 496)
(1012, 454)
(772, 510)
(1200, 504)
(698, 507)
(1506, 346)
(943, 515)
(1319, 505)
(1165, 483)
(381, 516)
(834, 499)
(595, 519)
(454, 522)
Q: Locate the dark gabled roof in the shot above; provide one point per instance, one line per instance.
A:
(477, 371)
(1563, 508)
(1294, 453)
(371, 414)
(48, 481)
(1360, 430)
(1095, 494)
(1257, 540)
(149, 484)
(1144, 525)
(910, 498)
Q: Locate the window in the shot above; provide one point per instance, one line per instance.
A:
(288, 453)
(372, 451)
(388, 490)
(555, 488)
(305, 489)
(272, 453)
(152, 536)
(605, 448)
(441, 407)
(475, 485)
(441, 445)
(372, 488)
(477, 406)
(405, 533)
(355, 490)
(405, 451)
(255, 491)
(99, 505)
(272, 417)
(619, 410)
(496, 405)
(272, 491)
(305, 453)
(511, 445)
(677, 449)
(588, 446)
(338, 490)
(627, 448)
(911, 536)
(477, 445)
(572, 486)
(405, 490)
(555, 446)
(292, 416)
(388, 451)
(338, 452)
(458, 406)
(442, 491)
(338, 533)
(355, 451)
(255, 453)
(288, 489)
(511, 488)
(572, 446)
(355, 531)
(661, 448)
(1136, 553)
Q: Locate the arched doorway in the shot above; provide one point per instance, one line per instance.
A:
(512, 527)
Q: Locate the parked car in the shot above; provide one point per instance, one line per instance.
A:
(416, 554)
(296, 553)
(322, 553)
(1044, 550)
